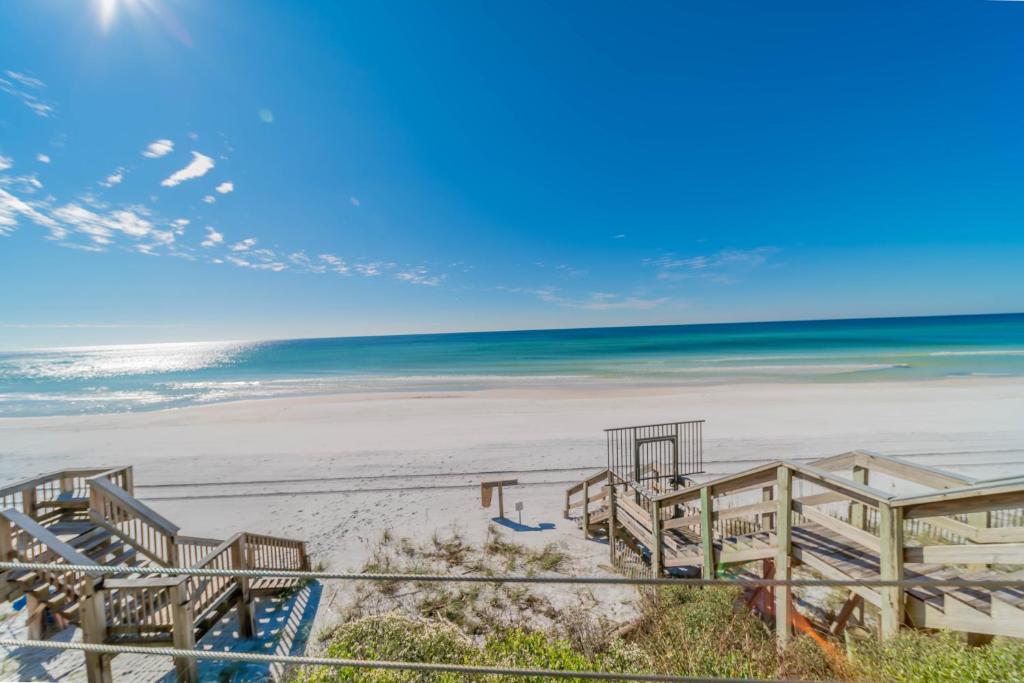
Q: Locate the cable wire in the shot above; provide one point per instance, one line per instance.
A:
(371, 664)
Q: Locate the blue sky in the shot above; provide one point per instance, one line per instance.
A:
(184, 170)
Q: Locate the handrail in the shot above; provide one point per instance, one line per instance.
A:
(576, 488)
(859, 492)
(65, 551)
(147, 513)
(693, 492)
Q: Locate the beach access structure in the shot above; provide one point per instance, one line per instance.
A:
(925, 524)
(90, 517)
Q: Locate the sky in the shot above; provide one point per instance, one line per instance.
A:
(177, 170)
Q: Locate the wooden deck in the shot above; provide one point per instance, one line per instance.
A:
(782, 515)
(91, 517)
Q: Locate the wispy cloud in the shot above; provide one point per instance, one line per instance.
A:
(721, 266)
(335, 264)
(158, 148)
(43, 158)
(419, 276)
(6, 163)
(244, 245)
(114, 178)
(209, 199)
(225, 187)
(354, 201)
(198, 167)
(593, 301)
(101, 228)
(11, 207)
(20, 85)
(213, 238)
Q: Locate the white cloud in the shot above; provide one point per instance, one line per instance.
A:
(719, 267)
(16, 88)
(26, 184)
(158, 148)
(595, 301)
(225, 187)
(25, 79)
(180, 224)
(355, 201)
(299, 258)
(213, 238)
(5, 162)
(101, 228)
(198, 167)
(335, 264)
(371, 269)
(419, 276)
(114, 178)
(11, 207)
(43, 158)
(244, 245)
(209, 199)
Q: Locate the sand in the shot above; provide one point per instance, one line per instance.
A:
(338, 470)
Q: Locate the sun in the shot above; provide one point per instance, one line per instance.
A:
(107, 10)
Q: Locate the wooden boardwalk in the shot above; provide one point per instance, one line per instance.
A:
(91, 517)
(826, 517)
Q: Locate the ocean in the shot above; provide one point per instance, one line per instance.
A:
(70, 381)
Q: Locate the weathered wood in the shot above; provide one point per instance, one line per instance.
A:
(866, 539)
(244, 606)
(93, 620)
(890, 562)
(183, 634)
(707, 532)
(657, 561)
(849, 607)
(612, 503)
(857, 510)
(973, 554)
(586, 509)
(979, 520)
(767, 494)
(783, 555)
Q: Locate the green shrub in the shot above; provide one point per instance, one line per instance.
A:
(916, 657)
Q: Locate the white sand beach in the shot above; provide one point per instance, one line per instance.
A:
(338, 470)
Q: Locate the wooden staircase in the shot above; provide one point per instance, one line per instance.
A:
(90, 517)
(835, 524)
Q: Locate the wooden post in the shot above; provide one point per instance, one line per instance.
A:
(184, 637)
(858, 516)
(611, 519)
(890, 562)
(586, 509)
(94, 630)
(565, 511)
(501, 502)
(28, 503)
(129, 481)
(707, 533)
(979, 520)
(246, 617)
(783, 559)
(6, 549)
(767, 494)
(657, 562)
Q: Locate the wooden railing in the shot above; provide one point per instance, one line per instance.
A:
(25, 540)
(271, 552)
(698, 524)
(192, 549)
(137, 607)
(64, 489)
(140, 526)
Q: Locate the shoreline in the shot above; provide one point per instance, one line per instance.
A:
(627, 388)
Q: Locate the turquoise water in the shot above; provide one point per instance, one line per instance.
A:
(152, 376)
